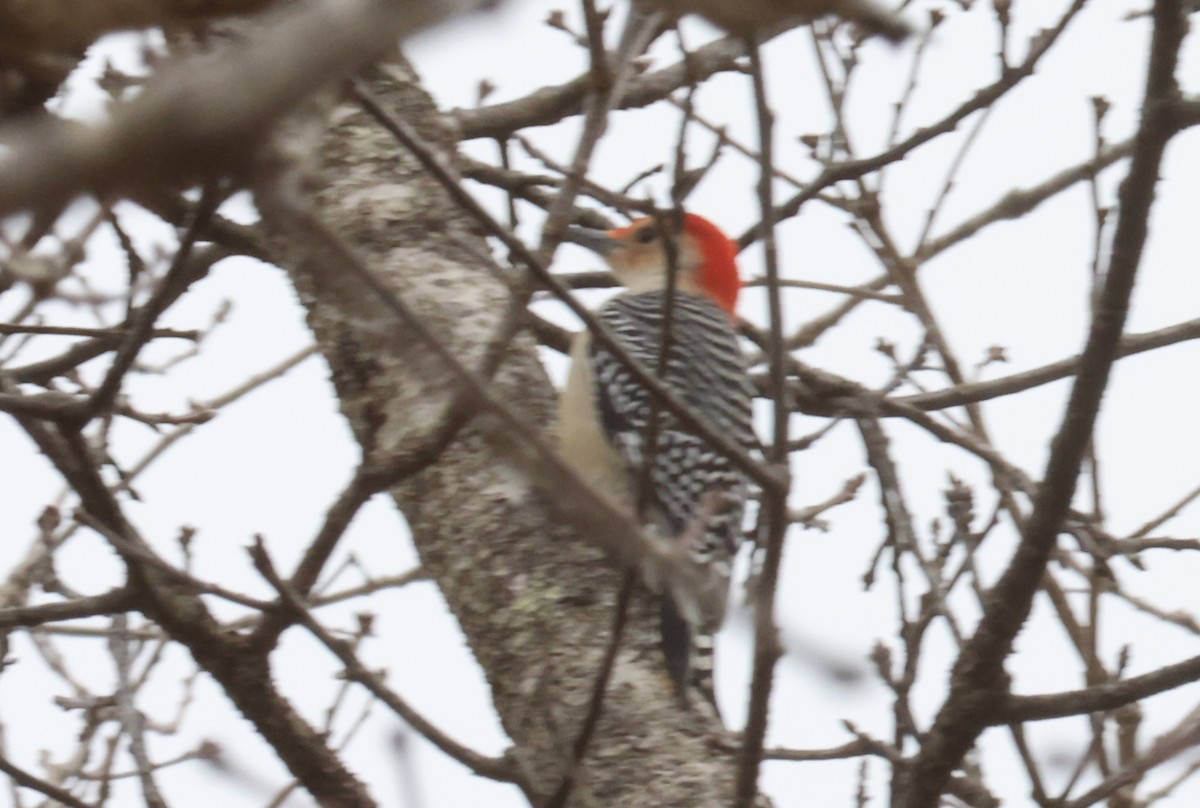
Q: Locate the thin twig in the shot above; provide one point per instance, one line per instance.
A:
(116, 600)
(1108, 696)
(133, 723)
(26, 780)
(493, 768)
(775, 517)
(71, 331)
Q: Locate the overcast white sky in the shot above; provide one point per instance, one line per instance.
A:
(272, 463)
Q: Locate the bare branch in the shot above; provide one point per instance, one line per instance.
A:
(550, 105)
(978, 670)
(118, 600)
(27, 780)
(202, 117)
(1107, 696)
(1130, 345)
(495, 768)
(774, 519)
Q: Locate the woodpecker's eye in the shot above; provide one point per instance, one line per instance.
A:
(645, 235)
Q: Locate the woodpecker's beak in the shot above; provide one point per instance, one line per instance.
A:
(598, 241)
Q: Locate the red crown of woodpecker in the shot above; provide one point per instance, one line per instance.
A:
(718, 272)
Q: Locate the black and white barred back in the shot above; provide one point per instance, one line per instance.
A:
(706, 368)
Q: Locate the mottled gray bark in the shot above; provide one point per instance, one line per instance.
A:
(535, 601)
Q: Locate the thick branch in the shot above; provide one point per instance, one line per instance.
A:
(201, 116)
(69, 26)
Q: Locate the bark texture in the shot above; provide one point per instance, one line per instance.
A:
(535, 601)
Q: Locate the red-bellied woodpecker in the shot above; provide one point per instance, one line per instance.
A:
(693, 494)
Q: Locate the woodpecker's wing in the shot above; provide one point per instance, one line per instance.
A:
(691, 481)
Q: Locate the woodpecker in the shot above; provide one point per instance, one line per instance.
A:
(694, 495)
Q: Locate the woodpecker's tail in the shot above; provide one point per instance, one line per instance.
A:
(688, 652)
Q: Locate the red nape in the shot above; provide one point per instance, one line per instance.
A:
(718, 274)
